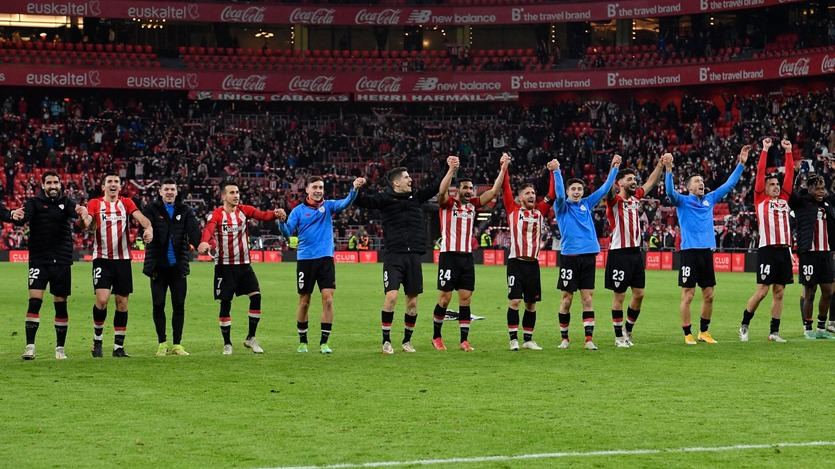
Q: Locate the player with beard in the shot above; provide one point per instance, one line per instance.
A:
(109, 218)
(456, 270)
(312, 221)
(695, 217)
(50, 215)
(525, 218)
(771, 202)
(625, 263)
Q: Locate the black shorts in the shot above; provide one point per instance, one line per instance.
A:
(815, 268)
(577, 272)
(402, 268)
(456, 271)
(310, 272)
(234, 280)
(523, 281)
(59, 278)
(624, 269)
(696, 269)
(774, 266)
(114, 275)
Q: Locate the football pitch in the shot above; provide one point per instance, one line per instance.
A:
(658, 404)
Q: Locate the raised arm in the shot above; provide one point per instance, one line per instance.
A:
(559, 185)
(342, 204)
(507, 194)
(434, 187)
(443, 189)
(788, 174)
(669, 187)
(759, 181)
(490, 194)
(601, 192)
(260, 215)
(723, 190)
(655, 175)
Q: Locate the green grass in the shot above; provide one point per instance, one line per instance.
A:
(355, 406)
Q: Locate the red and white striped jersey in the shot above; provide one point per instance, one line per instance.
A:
(820, 238)
(773, 221)
(228, 232)
(112, 224)
(457, 223)
(525, 231)
(624, 220)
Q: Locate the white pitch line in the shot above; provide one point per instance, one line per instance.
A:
(567, 454)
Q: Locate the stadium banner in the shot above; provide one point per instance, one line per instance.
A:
(18, 256)
(414, 86)
(348, 15)
(722, 261)
(346, 257)
(368, 257)
(738, 262)
(272, 256)
(653, 260)
(551, 258)
(666, 260)
(269, 97)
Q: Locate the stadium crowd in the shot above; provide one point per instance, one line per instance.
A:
(272, 150)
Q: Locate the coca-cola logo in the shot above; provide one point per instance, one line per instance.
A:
(68, 8)
(383, 85)
(828, 64)
(320, 16)
(390, 16)
(249, 83)
(243, 15)
(796, 68)
(320, 84)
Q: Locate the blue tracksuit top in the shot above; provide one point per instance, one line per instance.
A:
(575, 218)
(314, 226)
(695, 214)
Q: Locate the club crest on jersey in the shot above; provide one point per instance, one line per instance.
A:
(706, 203)
(583, 208)
(61, 206)
(322, 209)
(178, 217)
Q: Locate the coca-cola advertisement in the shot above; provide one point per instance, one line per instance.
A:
(795, 67)
(347, 15)
(319, 84)
(232, 14)
(417, 86)
(307, 16)
(247, 83)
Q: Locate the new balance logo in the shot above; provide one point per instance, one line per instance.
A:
(419, 16)
(426, 84)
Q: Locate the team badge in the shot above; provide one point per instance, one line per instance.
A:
(808, 277)
(583, 208)
(322, 209)
(706, 203)
(617, 284)
(178, 217)
(763, 276)
(61, 206)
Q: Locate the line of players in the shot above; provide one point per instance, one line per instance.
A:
(170, 229)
